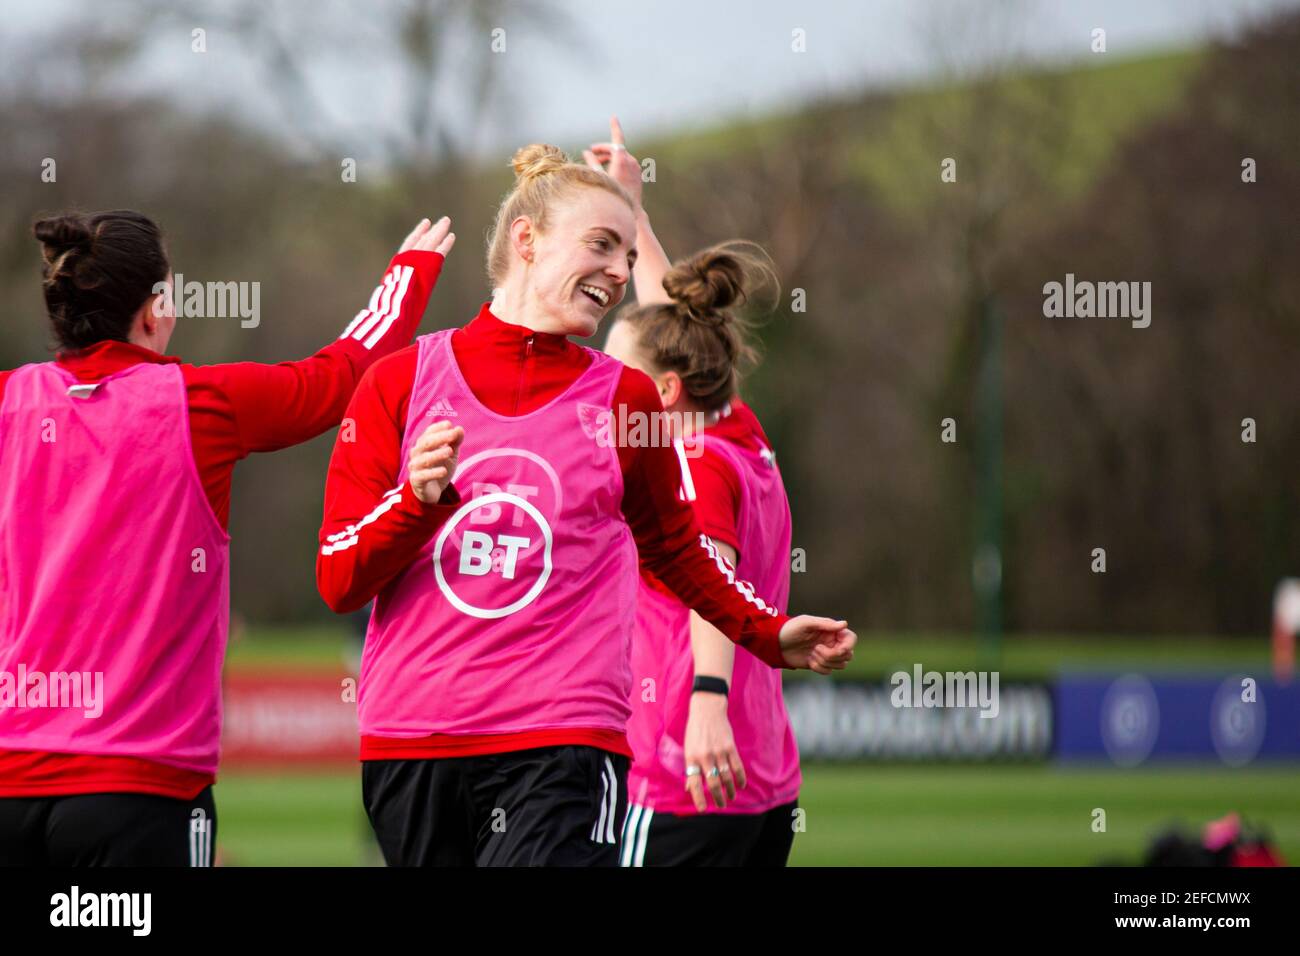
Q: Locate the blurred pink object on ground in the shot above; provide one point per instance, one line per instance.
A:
(1219, 833)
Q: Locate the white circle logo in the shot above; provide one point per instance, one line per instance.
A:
(1236, 726)
(1130, 720)
(489, 562)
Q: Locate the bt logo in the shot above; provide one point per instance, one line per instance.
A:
(493, 556)
(491, 513)
(478, 558)
(490, 575)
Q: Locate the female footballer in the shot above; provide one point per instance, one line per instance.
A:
(115, 474)
(685, 336)
(493, 695)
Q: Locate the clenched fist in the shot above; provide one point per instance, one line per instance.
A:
(433, 460)
(817, 643)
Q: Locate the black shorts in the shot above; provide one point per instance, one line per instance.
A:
(708, 839)
(550, 806)
(108, 829)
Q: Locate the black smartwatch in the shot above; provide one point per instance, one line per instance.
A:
(710, 685)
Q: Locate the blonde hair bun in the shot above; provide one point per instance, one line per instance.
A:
(537, 159)
(545, 179)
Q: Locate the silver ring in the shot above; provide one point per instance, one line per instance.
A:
(693, 770)
(713, 772)
(615, 147)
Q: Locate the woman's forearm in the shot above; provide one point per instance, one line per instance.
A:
(275, 406)
(652, 264)
(714, 655)
(374, 526)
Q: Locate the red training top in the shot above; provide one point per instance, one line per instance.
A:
(717, 486)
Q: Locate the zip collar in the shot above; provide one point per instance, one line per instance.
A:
(509, 340)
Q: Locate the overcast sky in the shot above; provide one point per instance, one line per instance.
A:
(659, 65)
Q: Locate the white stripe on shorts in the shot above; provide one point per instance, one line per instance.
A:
(643, 838)
(613, 802)
(629, 833)
(636, 833)
(598, 828)
(200, 839)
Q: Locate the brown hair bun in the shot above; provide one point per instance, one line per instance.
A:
(697, 335)
(707, 283)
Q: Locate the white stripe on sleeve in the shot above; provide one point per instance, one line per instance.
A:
(354, 323)
(394, 311)
(378, 313)
(744, 587)
(342, 540)
(369, 311)
(688, 485)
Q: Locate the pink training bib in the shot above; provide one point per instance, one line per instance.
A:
(517, 614)
(661, 659)
(114, 589)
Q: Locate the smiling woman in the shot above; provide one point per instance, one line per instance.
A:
(503, 608)
(574, 228)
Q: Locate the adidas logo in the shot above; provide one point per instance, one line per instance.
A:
(441, 407)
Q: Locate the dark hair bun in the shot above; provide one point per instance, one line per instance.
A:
(99, 269)
(706, 284)
(60, 235)
(63, 232)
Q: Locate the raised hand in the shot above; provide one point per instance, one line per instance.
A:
(433, 459)
(817, 643)
(430, 237)
(622, 165)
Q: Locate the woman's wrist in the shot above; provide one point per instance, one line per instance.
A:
(704, 703)
(709, 693)
(710, 684)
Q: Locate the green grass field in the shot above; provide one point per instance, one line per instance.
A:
(1020, 656)
(855, 815)
(882, 814)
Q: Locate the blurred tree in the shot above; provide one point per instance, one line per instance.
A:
(1115, 437)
